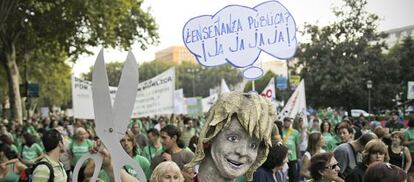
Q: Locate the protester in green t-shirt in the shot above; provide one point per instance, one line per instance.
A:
(80, 145)
(330, 140)
(409, 142)
(129, 145)
(31, 151)
(291, 138)
(154, 147)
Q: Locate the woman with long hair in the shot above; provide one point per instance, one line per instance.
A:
(399, 154)
(315, 144)
(326, 128)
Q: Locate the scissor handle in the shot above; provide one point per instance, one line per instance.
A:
(97, 158)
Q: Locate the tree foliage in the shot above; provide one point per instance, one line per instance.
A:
(340, 59)
(402, 56)
(67, 27)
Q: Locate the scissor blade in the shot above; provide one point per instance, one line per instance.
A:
(126, 94)
(101, 99)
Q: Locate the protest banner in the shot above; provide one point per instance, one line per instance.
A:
(194, 106)
(154, 96)
(208, 102)
(296, 105)
(269, 92)
(179, 102)
(410, 90)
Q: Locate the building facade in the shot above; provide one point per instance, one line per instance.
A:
(176, 54)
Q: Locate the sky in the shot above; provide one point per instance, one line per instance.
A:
(171, 15)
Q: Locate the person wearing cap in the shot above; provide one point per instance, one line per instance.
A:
(291, 138)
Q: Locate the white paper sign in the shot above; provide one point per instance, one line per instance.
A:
(179, 102)
(208, 102)
(410, 90)
(154, 97)
(238, 34)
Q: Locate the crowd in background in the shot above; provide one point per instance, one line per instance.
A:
(330, 147)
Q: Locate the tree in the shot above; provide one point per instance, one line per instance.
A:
(206, 78)
(341, 57)
(53, 76)
(113, 69)
(260, 83)
(68, 26)
(402, 56)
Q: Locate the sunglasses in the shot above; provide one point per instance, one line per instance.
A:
(332, 166)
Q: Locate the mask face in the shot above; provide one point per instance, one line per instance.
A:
(234, 151)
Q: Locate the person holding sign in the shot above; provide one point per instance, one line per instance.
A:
(236, 138)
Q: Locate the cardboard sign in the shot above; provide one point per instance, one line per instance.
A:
(154, 97)
(238, 34)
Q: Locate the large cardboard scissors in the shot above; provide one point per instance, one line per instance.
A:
(112, 122)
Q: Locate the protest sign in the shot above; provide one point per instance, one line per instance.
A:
(154, 96)
(410, 90)
(238, 34)
(269, 92)
(296, 105)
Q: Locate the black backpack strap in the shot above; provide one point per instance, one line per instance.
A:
(51, 171)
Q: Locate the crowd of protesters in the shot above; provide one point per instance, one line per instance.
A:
(327, 148)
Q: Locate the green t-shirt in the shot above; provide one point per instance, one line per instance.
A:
(14, 148)
(409, 136)
(293, 139)
(241, 179)
(145, 165)
(143, 162)
(78, 150)
(186, 135)
(32, 152)
(150, 151)
(104, 176)
(330, 142)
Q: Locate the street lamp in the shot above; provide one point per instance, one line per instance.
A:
(194, 71)
(369, 86)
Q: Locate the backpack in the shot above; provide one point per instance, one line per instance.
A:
(27, 174)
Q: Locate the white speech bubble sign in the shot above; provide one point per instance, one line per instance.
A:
(238, 34)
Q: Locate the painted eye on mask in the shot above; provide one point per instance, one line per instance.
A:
(253, 146)
(233, 138)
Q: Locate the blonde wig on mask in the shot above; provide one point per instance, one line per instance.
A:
(255, 114)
